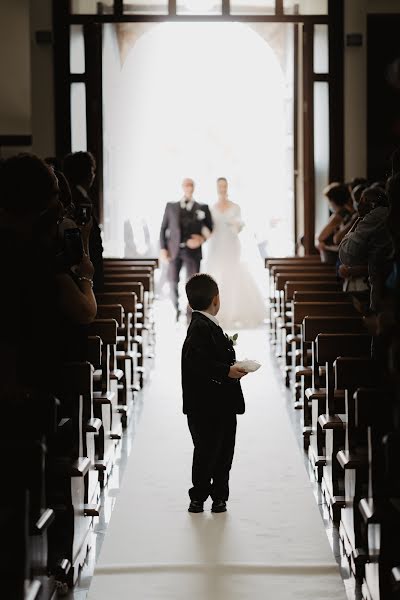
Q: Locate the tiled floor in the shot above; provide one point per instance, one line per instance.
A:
(111, 493)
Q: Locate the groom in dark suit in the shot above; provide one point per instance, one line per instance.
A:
(185, 227)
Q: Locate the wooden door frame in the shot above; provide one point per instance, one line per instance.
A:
(62, 20)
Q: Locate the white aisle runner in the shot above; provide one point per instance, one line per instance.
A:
(271, 544)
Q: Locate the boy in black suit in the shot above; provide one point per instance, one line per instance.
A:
(212, 395)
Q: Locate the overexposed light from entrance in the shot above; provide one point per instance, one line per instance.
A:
(201, 100)
(200, 5)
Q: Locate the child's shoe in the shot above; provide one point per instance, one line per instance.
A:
(218, 506)
(196, 506)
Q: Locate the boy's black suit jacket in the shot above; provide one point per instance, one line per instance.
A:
(206, 358)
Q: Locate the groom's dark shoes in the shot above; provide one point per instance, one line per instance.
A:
(196, 506)
(218, 506)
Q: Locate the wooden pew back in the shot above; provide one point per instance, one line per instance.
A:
(321, 296)
(321, 309)
(310, 286)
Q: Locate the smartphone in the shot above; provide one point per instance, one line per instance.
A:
(83, 214)
(73, 247)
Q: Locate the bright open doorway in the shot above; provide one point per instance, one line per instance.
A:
(201, 100)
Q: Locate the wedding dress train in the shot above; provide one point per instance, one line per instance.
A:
(242, 303)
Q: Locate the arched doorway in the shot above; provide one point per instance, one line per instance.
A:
(200, 100)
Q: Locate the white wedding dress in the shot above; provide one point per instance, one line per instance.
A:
(242, 303)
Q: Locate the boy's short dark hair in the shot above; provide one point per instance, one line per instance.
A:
(200, 290)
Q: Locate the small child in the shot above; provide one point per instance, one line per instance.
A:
(212, 396)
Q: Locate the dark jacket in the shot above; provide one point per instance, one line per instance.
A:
(370, 244)
(95, 242)
(170, 235)
(207, 355)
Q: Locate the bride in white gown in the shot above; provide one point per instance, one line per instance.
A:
(242, 304)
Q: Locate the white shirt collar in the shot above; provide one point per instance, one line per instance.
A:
(189, 205)
(82, 191)
(211, 317)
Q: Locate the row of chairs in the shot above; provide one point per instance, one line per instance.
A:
(69, 441)
(349, 412)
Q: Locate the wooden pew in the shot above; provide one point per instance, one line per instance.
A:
(325, 349)
(315, 271)
(348, 427)
(348, 374)
(293, 260)
(73, 487)
(116, 312)
(380, 528)
(391, 517)
(301, 374)
(129, 348)
(279, 308)
(310, 286)
(143, 325)
(48, 518)
(26, 514)
(351, 373)
(105, 396)
(117, 281)
(311, 258)
(279, 300)
(321, 296)
(323, 289)
(153, 262)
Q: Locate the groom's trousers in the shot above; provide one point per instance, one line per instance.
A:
(214, 445)
(191, 262)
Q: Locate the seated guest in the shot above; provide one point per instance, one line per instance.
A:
(64, 193)
(340, 202)
(80, 171)
(355, 278)
(385, 324)
(378, 184)
(47, 305)
(355, 182)
(369, 243)
(344, 228)
(53, 162)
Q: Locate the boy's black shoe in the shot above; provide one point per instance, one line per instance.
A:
(218, 506)
(196, 506)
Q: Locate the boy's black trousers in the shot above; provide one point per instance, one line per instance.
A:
(214, 445)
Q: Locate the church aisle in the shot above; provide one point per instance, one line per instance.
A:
(270, 544)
